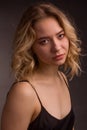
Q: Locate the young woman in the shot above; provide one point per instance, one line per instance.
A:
(45, 47)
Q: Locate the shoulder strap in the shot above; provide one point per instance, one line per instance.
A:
(68, 88)
(33, 89)
(64, 80)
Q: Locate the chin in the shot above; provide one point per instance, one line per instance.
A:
(61, 62)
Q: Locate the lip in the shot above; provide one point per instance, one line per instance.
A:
(58, 57)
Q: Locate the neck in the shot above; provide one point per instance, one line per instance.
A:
(47, 71)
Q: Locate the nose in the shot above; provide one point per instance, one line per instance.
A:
(56, 45)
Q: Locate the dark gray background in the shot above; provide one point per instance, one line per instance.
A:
(10, 14)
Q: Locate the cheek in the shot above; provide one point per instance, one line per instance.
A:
(66, 45)
(39, 52)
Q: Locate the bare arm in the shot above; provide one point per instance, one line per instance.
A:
(19, 108)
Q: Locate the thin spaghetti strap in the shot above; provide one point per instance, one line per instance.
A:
(32, 87)
(35, 92)
(20, 81)
(64, 80)
(67, 87)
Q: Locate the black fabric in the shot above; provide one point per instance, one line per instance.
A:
(45, 121)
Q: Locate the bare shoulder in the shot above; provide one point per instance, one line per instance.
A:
(19, 106)
(23, 89)
(21, 94)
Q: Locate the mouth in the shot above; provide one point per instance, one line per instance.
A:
(59, 57)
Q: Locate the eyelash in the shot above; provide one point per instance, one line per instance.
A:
(43, 42)
(60, 36)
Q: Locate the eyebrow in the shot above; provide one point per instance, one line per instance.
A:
(46, 37)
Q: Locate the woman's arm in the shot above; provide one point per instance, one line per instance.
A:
(19, 108)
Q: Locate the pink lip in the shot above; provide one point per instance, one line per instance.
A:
(58, 57)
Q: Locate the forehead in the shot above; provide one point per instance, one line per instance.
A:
(47, 26)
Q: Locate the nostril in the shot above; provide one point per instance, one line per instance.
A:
(55, 49)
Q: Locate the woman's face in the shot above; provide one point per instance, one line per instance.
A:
(51, 46)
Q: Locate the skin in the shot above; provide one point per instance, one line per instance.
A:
(51, 42)
(51, 48)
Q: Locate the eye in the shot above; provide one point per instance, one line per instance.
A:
(61, 36)
(44, 41)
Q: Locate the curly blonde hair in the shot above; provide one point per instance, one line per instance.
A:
(23, 60)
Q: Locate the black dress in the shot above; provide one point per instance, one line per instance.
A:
(45, 121)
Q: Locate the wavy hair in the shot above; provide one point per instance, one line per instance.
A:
(23, 60)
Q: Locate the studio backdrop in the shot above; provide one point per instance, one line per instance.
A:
(10, 14)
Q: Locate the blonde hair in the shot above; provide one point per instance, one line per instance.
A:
(23, 60)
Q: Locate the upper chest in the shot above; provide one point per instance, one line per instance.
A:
(54, 98)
